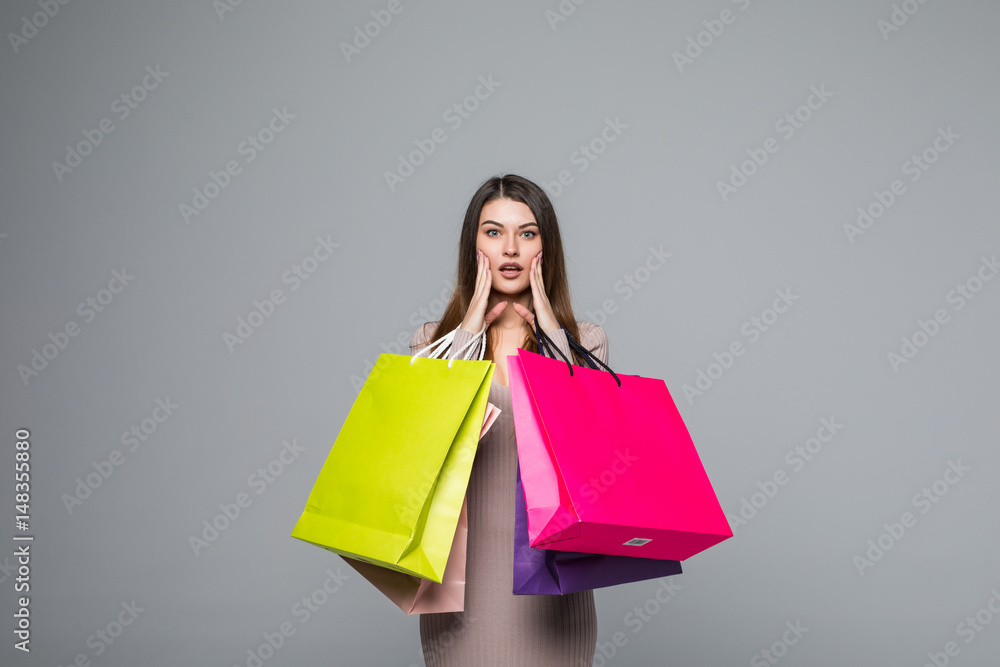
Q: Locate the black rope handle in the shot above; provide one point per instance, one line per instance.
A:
(542, 337)
(538, 341)
(581, 352)
(586, 354)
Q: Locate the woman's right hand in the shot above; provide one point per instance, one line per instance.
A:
(477, 317)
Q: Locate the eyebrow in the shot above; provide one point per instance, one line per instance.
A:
(498, 224)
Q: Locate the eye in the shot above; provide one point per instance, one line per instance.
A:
(533, 234)
(489, 232)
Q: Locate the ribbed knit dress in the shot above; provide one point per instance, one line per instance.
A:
(498, 628)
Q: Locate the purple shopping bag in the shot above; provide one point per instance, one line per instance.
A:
(551, 572)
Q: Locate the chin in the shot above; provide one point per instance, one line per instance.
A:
(511, 288)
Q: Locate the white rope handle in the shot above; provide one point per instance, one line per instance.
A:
(476, 338)
(440, 344)
(437, 348)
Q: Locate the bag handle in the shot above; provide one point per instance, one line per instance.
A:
(437, 348)
(585, 354)
(544, 341)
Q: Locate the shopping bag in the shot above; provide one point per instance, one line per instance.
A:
(551, 572)
(392, 487)
(607, 464)
(492, 412)
(422, 596)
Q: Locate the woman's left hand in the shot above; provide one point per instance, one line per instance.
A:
(543, 309)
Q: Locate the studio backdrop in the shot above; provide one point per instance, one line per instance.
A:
(218, 213)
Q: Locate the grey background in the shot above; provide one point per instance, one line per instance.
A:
(323, 176)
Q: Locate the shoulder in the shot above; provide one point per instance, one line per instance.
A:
(592, 335)
(422, 336)
(594, 340)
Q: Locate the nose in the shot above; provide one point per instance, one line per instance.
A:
(511, 249)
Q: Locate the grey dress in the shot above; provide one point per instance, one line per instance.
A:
(498, 627)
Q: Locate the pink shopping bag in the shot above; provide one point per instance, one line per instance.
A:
(423, 596)
(607, 464)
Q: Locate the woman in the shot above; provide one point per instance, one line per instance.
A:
(506, 284)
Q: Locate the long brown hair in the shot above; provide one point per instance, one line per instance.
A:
(522, 190)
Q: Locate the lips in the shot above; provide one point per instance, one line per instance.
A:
(510, 270)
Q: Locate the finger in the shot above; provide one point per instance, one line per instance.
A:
(533, 278)
(482, 276)
(494, 313)
(479, 279)
(487, 277)
(524, 312)
(541, 282)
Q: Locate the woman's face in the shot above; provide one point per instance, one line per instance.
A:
(508, 234)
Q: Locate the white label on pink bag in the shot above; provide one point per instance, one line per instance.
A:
(636, 542)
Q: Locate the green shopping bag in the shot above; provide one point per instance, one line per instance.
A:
(391, 490)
